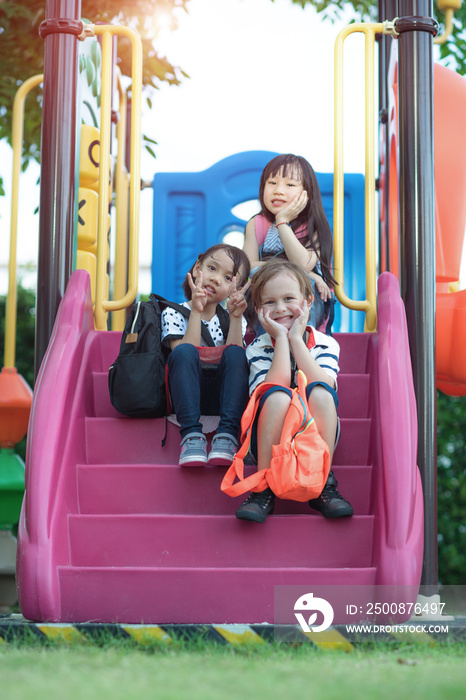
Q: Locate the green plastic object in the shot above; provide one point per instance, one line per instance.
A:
(11, 488)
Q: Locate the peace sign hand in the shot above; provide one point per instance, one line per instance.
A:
(236, 304)
(198, 293)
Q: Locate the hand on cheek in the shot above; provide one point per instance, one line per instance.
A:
(301, 314)
(270, 326)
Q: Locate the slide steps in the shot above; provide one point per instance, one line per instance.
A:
(156, 543)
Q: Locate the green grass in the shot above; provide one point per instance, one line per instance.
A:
(121, 670)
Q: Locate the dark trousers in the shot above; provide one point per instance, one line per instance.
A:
(220, 390)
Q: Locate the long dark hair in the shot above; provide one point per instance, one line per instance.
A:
(312, 220)
(240, 265)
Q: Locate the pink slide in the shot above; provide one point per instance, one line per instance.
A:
(113, 530)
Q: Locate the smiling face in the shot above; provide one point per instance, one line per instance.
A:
(280, 189)
(217, 275)
(282, 298)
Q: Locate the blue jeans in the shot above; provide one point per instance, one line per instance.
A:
(221, 390)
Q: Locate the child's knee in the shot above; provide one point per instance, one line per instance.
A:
(234, 354)
(278, 401)
(184, 352)
(320, 400)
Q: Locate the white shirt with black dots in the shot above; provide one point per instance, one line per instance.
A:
(174, 326)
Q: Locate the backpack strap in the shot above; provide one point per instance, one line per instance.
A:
(261, 226)
(224, 320)
(172, 304)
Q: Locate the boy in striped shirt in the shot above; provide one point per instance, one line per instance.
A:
(282, 295)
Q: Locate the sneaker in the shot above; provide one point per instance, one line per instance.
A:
(331, 503)
(257, 506)
(223, 450)
(193, 451)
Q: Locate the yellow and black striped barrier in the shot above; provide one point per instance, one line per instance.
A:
(14, 628)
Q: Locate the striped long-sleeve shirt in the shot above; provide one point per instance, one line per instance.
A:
(323, 348)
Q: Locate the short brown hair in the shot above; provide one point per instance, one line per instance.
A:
(273, 268)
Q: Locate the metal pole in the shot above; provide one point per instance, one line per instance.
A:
(388, 10)
(58, 155)
(382, 89)
(417, 28)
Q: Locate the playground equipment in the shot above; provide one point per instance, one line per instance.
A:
(450, 224)
(15, 393)
(108, 532)
(193, 211)
(124, 535)
(450, 217)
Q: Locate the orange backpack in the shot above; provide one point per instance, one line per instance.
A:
(300, 463)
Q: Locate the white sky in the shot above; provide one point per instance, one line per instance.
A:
(261, 78)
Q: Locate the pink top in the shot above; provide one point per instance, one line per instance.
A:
(261, 226)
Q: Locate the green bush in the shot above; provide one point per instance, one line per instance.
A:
(451, 481)
(25, 330)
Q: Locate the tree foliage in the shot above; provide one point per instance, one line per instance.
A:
(25, 331)
(22, 52)
(452, 52)
(362, 10)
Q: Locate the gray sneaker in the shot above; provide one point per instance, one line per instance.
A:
(224, 447)
(193, 450)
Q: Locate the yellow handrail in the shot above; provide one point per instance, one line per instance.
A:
(448, 7)
(102, 304)
(17, 145)
(121, 207)
(369, 305)
(442, 38)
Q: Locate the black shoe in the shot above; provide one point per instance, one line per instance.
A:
(331, 503)
(257, 506)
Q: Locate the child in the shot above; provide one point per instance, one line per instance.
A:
(282, 295)
(292, 225)
(196, 387)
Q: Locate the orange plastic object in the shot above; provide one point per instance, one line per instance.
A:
(451, 341)
(15, 406)
(450, 216)
(450, 171)
(450, 222)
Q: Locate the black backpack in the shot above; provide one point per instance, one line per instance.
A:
(136, 379)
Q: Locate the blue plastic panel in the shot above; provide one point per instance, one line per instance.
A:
(193, 211)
